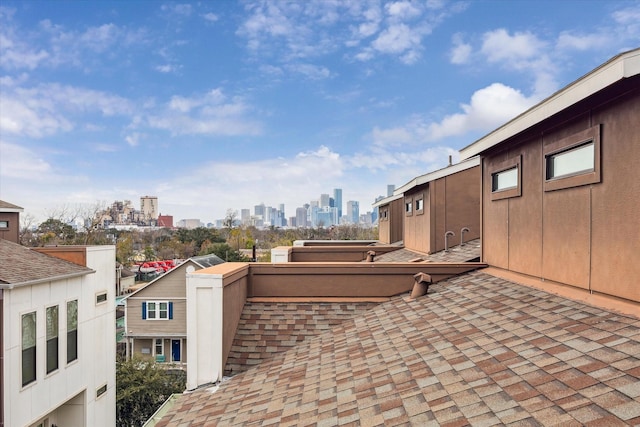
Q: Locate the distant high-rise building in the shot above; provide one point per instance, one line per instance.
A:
(390, 189)
(325, 200)
(337, 200)
(149, 209)
(245, 216)
(301, 218)
(353, 212)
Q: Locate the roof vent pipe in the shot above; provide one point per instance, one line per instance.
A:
(370, 256)
(446, 240)
(450, 160)
(464, 230)
(421, 285)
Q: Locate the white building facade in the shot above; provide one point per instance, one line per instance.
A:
(58, 340)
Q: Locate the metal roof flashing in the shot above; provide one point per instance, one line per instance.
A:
(622, 66)
(440, 173)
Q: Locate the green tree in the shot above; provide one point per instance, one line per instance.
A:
(54, 231)
(142, 386)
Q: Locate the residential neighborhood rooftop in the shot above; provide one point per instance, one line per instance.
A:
(21, 266)
(468, 251)
(477, 349)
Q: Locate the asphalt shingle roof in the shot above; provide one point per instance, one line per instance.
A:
(20, 265)
(268, 328)
(476, 350)
(470, 250)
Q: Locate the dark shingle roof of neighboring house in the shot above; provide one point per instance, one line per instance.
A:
(207, 260)
(23, 266)
(9, 207)
(476, 350)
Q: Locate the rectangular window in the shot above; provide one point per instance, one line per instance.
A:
(102, 390)
(28, 348)
(4, 224)
(52, 338)
(504, 180)
(157, 310)
(573, 161)
(72, 331)
(101, 297)
(419, 205)
(408, 207)
(159, 347)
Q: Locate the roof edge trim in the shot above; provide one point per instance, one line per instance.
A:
(46, 279)
(440, 173)
(619, 67)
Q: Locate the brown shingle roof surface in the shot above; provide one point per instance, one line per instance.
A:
(19, 264)
(470, 250)
(268, 328)
(7, 205)
(478, 350)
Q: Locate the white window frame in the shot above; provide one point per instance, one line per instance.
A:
(157, 311)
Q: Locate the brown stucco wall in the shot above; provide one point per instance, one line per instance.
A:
(391, 229)
(13, 232)
(235, 296)
(584, 236)
(450, 203)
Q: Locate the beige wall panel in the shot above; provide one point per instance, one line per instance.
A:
(171, 285)
(136, 325)
(139, 344)
(495, 217)
(566, 236)
(525, 215)
(615, 267)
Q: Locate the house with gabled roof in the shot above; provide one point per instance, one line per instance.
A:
(517, 342)
(10, 221)
(155, 314)
(57, 335)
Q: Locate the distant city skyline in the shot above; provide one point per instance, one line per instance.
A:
(212, 105)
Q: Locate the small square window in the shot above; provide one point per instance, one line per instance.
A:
(4, 224)
(408, 207)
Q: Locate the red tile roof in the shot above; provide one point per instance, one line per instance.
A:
(476, 350)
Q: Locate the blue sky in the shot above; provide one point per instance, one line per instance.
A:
(213, 105)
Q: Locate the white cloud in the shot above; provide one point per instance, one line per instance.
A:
(51, 108)
(210, 17)
(500, 46)
(18, 162)
(402, 10)
(311, 71)
(489, 108)
(461, 51)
